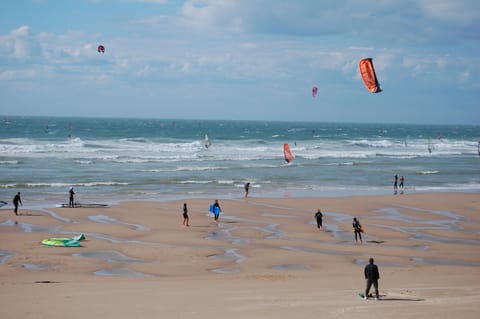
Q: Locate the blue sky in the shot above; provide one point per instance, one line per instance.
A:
(242, 59)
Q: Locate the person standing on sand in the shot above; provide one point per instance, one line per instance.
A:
(17, 200)
(371, 276)
(185, 215)
(216, 214)
(318, 218)
(402, 179)
(246, 187)
(357, 229)
(71, 200)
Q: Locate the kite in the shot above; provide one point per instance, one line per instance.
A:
(314, 91)
(367, 71)
(287, 153)
(101, 49)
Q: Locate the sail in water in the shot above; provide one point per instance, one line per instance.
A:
(287, 153)
(478, 148)
(207, 141)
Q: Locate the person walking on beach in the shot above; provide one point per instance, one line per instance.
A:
(371, 276)
(16, 200)
(71, 200)
(216, 211)
(402, 179)
(185, 215)
(318, 218)
(246, 187)
(395, 184)
(357, 229)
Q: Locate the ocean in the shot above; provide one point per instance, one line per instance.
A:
(110, 160)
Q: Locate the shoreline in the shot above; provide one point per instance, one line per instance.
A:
(265, 258)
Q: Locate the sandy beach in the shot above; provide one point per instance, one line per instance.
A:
(265, 259)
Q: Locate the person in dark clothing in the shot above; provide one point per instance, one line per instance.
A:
(371, 276)
(215, 213)
(185, 215)
(357, 229)
(71, 200)
(17, 200)
(247, 188)
(318, 218)
(395, 184)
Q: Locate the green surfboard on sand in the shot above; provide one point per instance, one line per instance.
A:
(64, 242)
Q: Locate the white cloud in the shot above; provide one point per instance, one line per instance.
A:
(16, 44)
(9, 75)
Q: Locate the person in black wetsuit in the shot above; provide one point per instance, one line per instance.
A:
(17, 200)
(357, 229)
(71, 199)
(318, 218)
(247, 188)
(216, 214)
(185, 215)
(372, 275)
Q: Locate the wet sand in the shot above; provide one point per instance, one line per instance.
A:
(265, 259)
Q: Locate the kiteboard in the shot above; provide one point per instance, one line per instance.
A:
(362, 295)
(64, 242)
(3, 203)
(214, 209)
(82, 205)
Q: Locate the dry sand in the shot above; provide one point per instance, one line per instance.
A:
(265, 259)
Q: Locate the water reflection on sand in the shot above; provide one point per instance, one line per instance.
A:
(268, 226)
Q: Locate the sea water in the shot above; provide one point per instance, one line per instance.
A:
(131, 159)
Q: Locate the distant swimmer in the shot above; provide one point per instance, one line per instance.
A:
(185, 215)
(319, 219)
(16, 201)
(71, 201)
(247, 188)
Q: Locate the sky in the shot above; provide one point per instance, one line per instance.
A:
(242, 59)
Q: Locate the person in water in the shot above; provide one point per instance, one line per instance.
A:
(216, 213)
(247, 188)
(372, 275)
(16, 201)
(185, 215)
(357, 229)
(402, 179)
(318, 218)
(71, 199)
